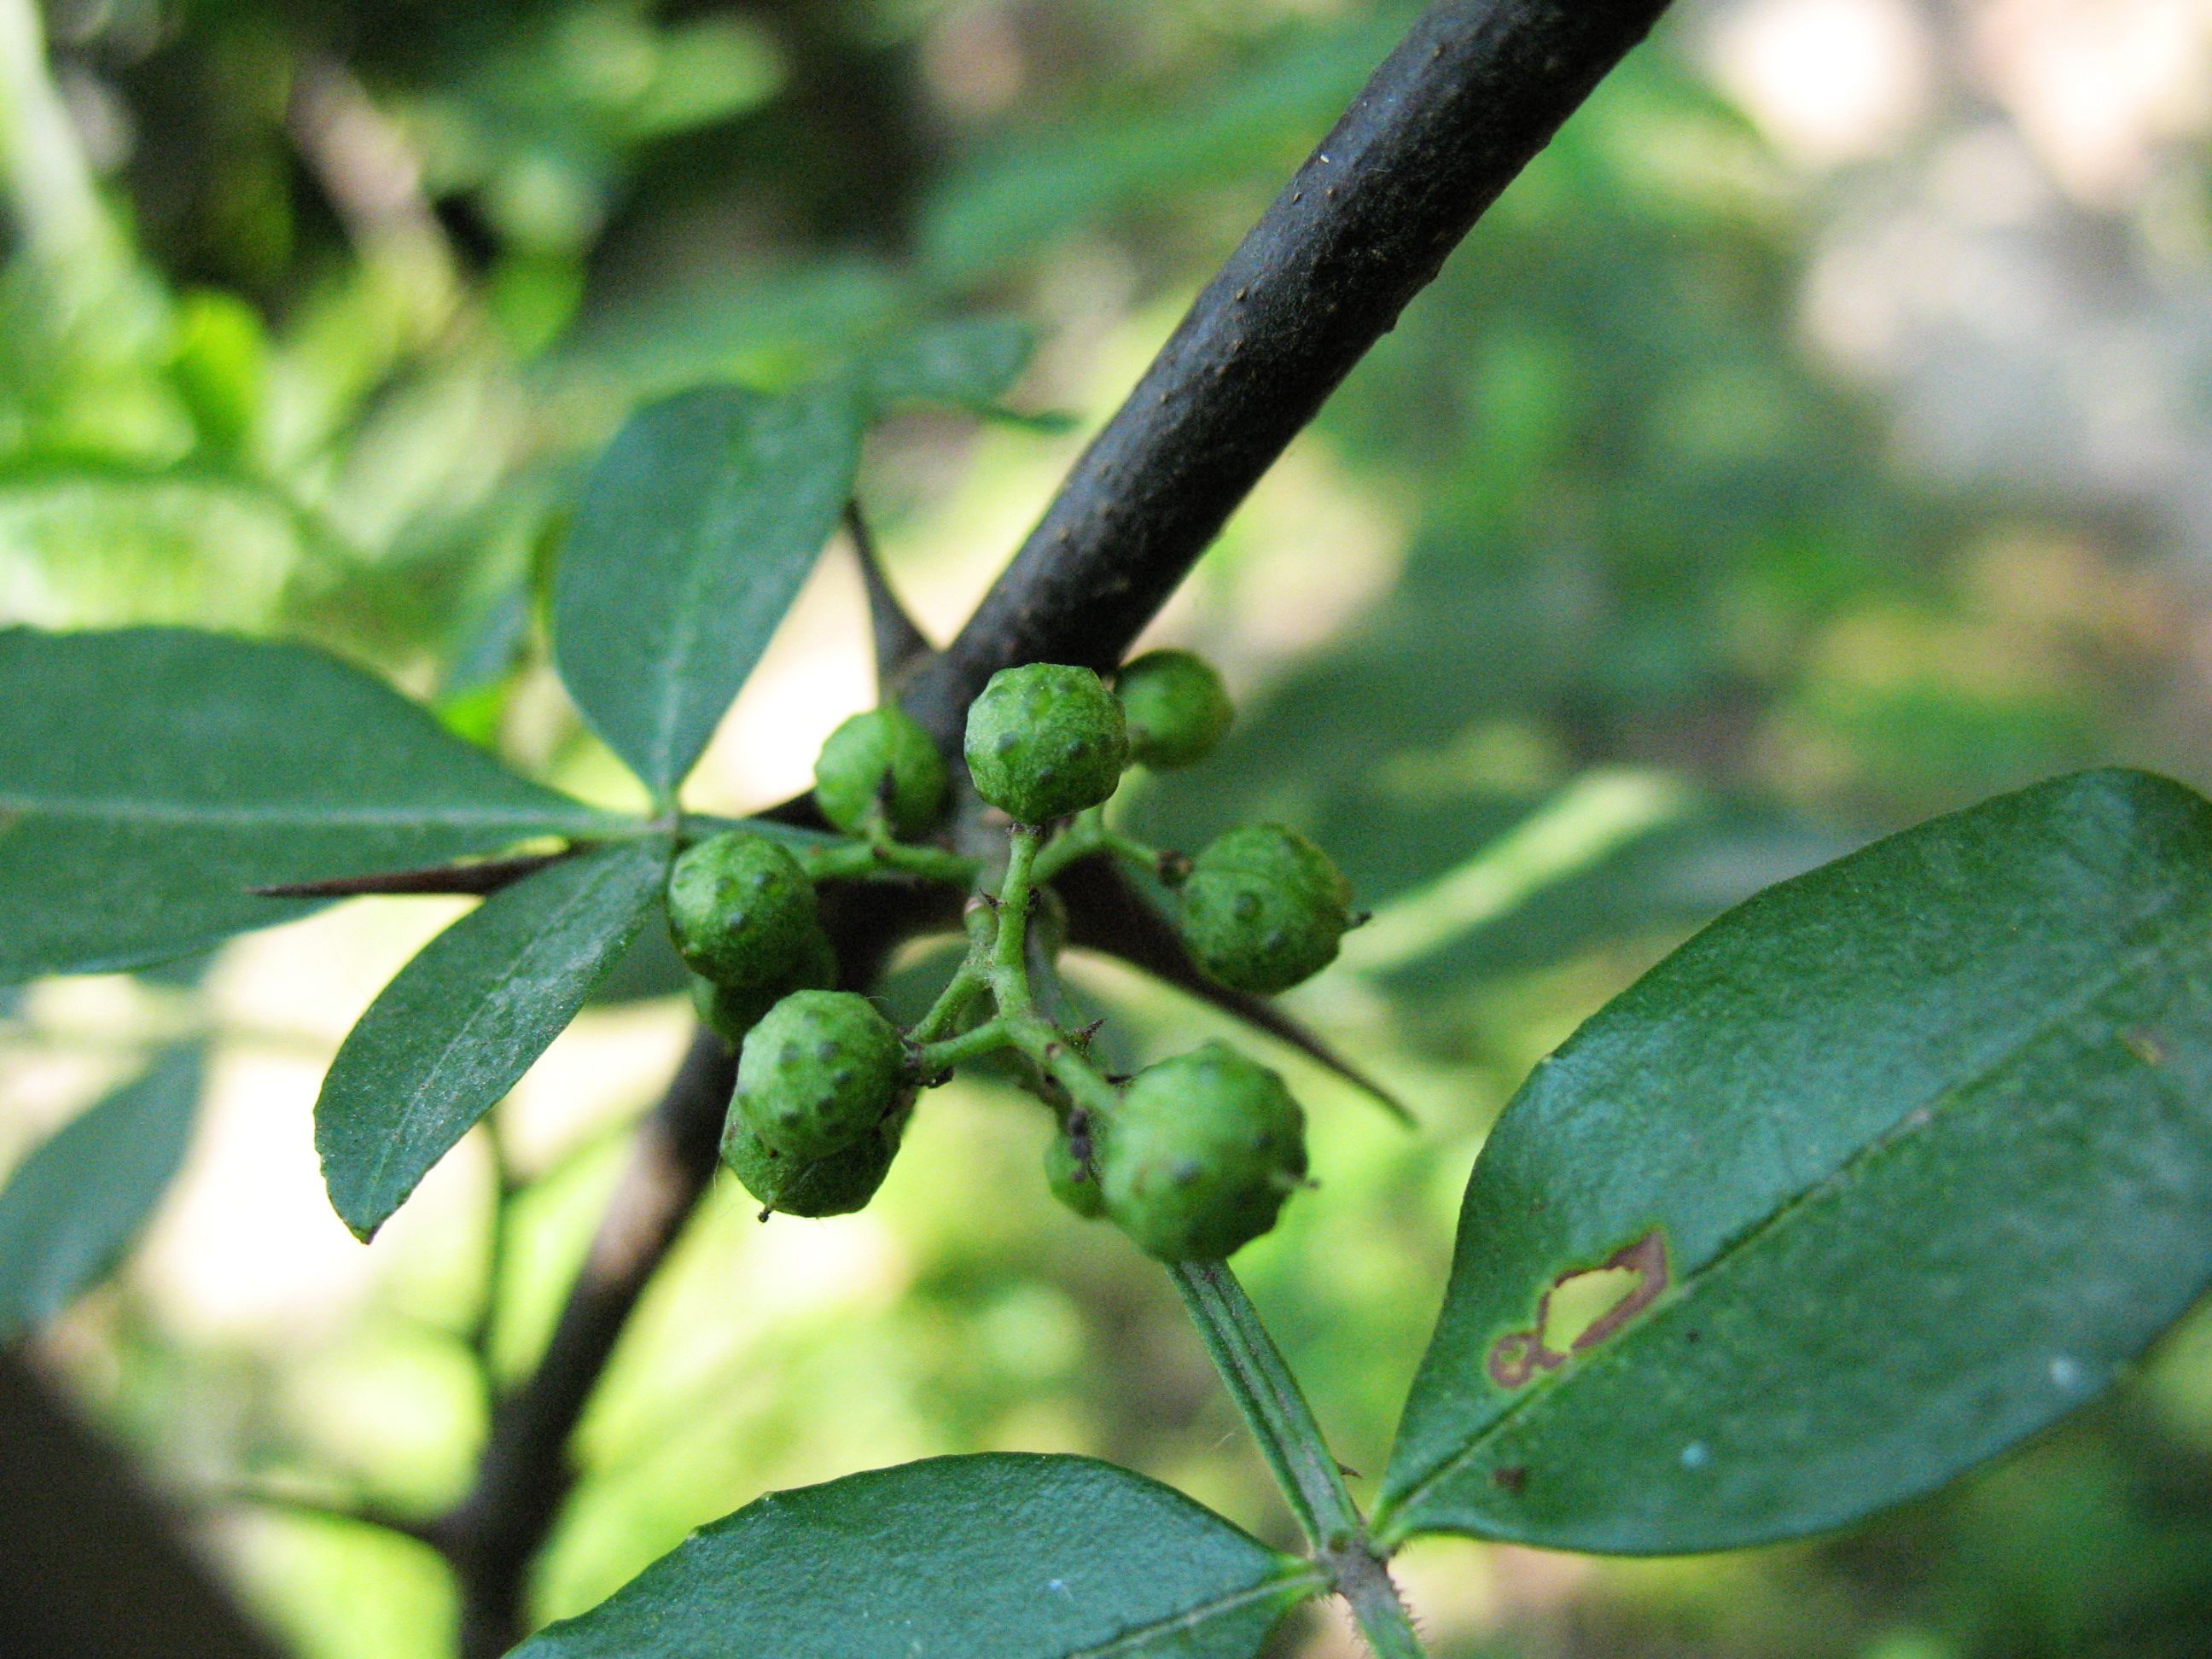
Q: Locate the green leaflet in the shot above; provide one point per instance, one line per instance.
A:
(77, 1203)
(1003, 1556)
(697, 529)
(1026, 193)
(968, 362)
(150, 777)
(463, 1020)
(1896, 1163)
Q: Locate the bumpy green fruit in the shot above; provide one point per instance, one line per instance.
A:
(1072, 1183)
(742, 912)
(1175, 706)
(1202, 1154)
(880, 762)
(1045, 740)
(731, 1010)
(822, 1069)
(1263, 908)
(836, 1185)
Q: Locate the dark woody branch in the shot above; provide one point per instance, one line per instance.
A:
(1449, 120)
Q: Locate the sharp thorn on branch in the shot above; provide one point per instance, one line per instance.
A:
(485, 876)
(900, 642)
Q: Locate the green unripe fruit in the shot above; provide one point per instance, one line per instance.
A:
(1263, 908)
(822, 1069)
(742, 912)
(1071, 1182)
(836, 1185)
(881, 762)
(1175, 706)
(1045, 740)
(1202, 1154)
(731, 1010)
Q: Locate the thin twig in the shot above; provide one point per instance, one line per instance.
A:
(1106, 913)
(524, 1473)
(484, 1325)
(357, 1511)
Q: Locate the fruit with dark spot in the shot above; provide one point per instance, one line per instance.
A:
(836, 1185)
(743, 913)
(1045, 740)
(880, 768)
(1175, 707)
(1073, 1180)
(821, 1070)
(1201, 1154)
(731, 1011)
(1263, 908)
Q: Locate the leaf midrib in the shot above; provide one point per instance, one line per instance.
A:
(685, 645)
(557, 815)
(1307, 1579)
(1909, 1124)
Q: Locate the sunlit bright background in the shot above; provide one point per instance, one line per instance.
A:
(1817, 438)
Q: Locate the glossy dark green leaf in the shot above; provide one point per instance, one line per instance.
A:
(968, 362)
(1889, 1167)
(77, 1203)
(697, 529)
(463, 1020)
(150, 777)
(1004, 1556)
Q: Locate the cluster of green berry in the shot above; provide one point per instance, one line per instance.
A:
(1191, 1157)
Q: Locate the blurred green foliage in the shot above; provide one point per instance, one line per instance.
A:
(310, 312)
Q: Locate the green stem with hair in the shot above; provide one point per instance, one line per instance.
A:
(1251, 1367)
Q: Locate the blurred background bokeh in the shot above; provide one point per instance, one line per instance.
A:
(1817, 437)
